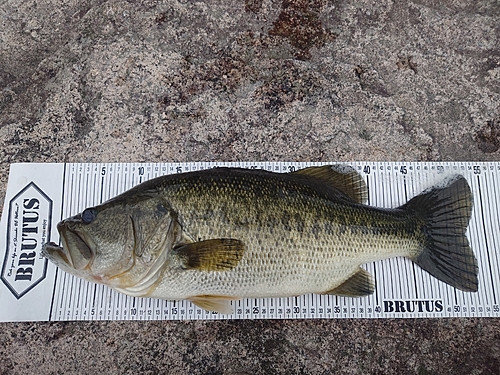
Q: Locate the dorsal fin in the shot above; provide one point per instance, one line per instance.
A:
(342, 177)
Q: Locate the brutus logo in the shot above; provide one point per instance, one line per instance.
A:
(28, 228)
(413, 306)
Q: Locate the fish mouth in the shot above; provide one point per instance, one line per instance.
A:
(75, 251)
(56, 254)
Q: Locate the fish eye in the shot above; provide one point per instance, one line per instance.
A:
(89, 215)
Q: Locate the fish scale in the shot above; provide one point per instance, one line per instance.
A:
(287, 260)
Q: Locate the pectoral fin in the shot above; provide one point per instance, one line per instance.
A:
(221, 254)
(358, 285)
(220, 304)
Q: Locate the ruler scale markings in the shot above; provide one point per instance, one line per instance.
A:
(373, 266)
(134, 308)
(77, 297)
(373, 202)
(486, 239)
(388, 187)
(55, 294)
(70, 295)
(426, 277)
(456, 307)
(159, 310)
(64, 278)
(86, 300)
(409, 276)
(101, 302)
(107, 181)
(83, 287)
(87, 188)
(126, 178)
(148, 312)
(476, 233)
(109, 300)
(397, 261)
(384, 189)
(410, 188)
(452, 293)
(118, 181)
(402, 200)
(101, 193)
(422, 275)
(376, 202)
(124, 182)
(464, 300)
(126, 300)
(81, 195)
(64, 295)
(140, 309)
(490, 194)
(118, 310)
(116, 306)
(493, 223)
(490, 187)
(409, 269)
(435, 287)
(78, 196)
(387, 202)
(96, 190)
(78, 312)
(95, 301)
(110, 181)
(55, 283)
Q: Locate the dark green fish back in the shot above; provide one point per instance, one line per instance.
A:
(328, 182)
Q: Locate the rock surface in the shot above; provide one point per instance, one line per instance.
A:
(233, 80)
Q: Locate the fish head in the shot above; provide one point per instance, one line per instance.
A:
(123, 243)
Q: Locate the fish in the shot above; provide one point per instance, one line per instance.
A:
(219, 235)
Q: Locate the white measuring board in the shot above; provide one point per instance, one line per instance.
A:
(40, 195)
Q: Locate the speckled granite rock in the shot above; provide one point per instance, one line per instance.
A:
(250, 80)
(446, 346)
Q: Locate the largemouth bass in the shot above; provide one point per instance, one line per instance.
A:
(222, 234)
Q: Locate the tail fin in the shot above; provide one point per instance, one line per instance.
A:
(447, 254)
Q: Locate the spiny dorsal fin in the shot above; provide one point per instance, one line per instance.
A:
(219, 254)
(220, 304)
(358, 285)
(342, 177)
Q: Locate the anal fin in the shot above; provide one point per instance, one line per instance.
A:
(220, 304)
(221, 254)
(358, 285)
